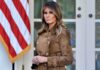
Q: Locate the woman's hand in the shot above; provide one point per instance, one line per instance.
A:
(39, 59)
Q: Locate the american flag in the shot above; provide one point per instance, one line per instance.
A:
(15, 27)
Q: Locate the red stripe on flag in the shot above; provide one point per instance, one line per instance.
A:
(1, 2)
(22, 13)
(7, 41)
(14, 27)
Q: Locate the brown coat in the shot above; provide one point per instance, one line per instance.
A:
(56, 48)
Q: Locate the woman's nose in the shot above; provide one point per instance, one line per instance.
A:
(47, 15)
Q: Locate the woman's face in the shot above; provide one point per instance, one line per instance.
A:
(49, 16)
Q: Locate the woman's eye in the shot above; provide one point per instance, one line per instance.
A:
(45, 12)
(51, 12)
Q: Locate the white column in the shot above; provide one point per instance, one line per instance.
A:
(90, 62)
(81, 35)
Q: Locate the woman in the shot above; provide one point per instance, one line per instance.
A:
(53, 43)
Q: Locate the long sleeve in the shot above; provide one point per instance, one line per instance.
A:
(66, 56)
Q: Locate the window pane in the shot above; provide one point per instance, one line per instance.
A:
(97, 30)
(68, 8)
(97, 63)
(72, 28)
(37, 7)
(97, 9)
(37, 26)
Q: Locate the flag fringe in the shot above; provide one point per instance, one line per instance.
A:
(18, 55)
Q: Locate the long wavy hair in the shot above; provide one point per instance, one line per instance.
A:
(56, 11)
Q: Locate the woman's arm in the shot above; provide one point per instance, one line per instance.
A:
(66, 51)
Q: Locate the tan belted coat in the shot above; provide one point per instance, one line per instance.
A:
(56, 47)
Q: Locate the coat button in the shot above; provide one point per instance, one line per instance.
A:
(45, 64)
(47, 54)
(48, 42)
(37, 42)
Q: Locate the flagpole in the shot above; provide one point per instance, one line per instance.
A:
(23, 64)
(13, 66)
